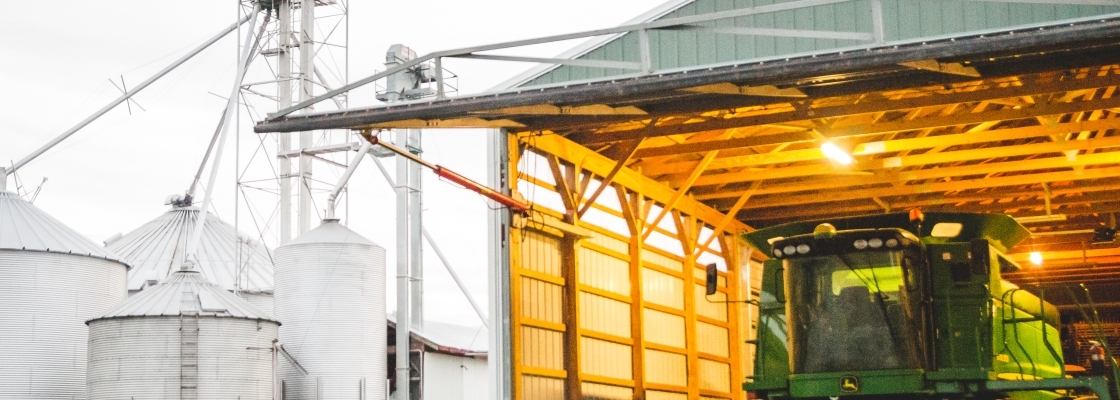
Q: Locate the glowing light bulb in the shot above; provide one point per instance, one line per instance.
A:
(1036, 258)
(836, 154)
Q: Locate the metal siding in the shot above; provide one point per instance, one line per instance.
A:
(663, 328)
(666, 368)
(45, 300)
(595, 391)
(662, 289)
(603, 358)
(542, 348)
(541, 388)
(717, 311)
(262, 301)
(602, 271)
(715, 376)
(448, 377)
(604, 315)
(902, 19)
(712, 339)
(540, 252)
(330, 297)
(660, 260)
(138, 358)
(659, 395)
(609, 243)
(540, 300)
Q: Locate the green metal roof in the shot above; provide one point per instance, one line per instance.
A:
(903, 20)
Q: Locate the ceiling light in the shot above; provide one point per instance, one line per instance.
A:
(1036, 258)
(1041, 218)
(836, 154)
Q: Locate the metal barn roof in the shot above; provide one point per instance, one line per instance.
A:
(449, 338)
(1019, 121)
(152, 247)
(186, 291)
(25, 227)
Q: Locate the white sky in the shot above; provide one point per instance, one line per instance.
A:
(112, 176)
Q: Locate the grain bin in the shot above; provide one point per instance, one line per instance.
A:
(222, 251)
(52, 279)
(183, 338)
(330, 294)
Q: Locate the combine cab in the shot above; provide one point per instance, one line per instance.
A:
(903, 306)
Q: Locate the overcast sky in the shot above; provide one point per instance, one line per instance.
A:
(113, 176)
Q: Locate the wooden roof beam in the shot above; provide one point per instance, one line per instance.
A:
(891, 146)
(934, 187)
(990, 89)
(626, 177)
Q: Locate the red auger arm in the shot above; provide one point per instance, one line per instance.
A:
(501, 198)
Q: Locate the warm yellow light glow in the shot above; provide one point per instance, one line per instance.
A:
(1036, 258)
(836, 154)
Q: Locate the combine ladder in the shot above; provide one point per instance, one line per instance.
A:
(1089, 313)
(188, 346)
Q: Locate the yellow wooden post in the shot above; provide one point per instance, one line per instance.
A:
(635, 214)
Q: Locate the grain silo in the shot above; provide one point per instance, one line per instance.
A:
(183, 338)
(226, 257)
(330, 293)
(52, 279)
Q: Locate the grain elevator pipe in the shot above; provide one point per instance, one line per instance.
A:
(124, 97)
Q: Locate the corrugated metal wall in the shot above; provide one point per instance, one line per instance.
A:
(902, 20)
(653, 308)
(448, 377)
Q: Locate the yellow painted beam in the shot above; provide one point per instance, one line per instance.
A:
(628, 178)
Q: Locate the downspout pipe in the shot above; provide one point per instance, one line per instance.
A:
(124, 97)
(246, 56)
(331, 199)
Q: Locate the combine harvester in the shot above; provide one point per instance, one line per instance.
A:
(904, 306)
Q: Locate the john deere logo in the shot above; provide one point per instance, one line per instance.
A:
(849, 384)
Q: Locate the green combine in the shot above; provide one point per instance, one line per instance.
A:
(904, 306)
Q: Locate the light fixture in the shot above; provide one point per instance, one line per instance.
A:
(1036, 258)
(836, 154)
(1041, 218)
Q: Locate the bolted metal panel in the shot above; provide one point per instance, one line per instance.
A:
(715, 375)
(139, 358)
(152, 249)
(330, 295)
(45, 298)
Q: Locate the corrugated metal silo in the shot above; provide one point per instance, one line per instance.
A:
(330, 294)
(151, 250)
(52, 279)
(184, 338)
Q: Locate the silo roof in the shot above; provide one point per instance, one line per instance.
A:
(186, 291)
(331, 232)
(26, 227)
(152, 248)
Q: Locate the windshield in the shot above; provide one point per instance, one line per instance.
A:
(852, 312)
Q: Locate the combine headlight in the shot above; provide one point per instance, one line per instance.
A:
(789, 249)
(875, 243)
(777, 252)
(860, 244)
(892, 243)
(802, 249)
